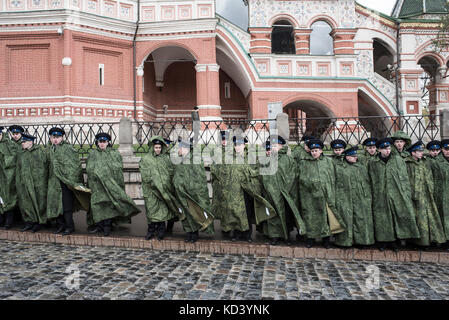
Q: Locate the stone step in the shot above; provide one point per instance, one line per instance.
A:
(229, 247)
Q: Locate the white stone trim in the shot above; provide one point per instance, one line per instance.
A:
(200, 67)
(209, 107)
(213, 67)
(67, 96)
(210, 118)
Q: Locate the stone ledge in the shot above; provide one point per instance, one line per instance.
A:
(228, 247)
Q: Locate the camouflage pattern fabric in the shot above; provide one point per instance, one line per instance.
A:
(393, 212)
(440, 170)
(158, 192)
(31, 184)
(8, 151)
(427, 217)
(105, 179)
(353, 203)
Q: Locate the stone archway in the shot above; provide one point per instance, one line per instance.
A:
(169, 83)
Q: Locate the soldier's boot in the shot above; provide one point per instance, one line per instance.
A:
(9, 219)
(107, 227)
(275, 241)
(161, 230)
(249, 235)
(169, 228)
(194, 237)
(2, 219)
(235, 235)
(188, 237)
(310, 242)
(394, 246)
(61, 225)
(28, 226)
(381, 246)
(36, 227)
(97, 228)
(326, 242)
(151, 231)
(69, 223)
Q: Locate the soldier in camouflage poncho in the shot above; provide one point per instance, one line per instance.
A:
(434, 148)
(393, 212)
(317, 195)
(401, 142)
(237, 209)
(66, 192)
(280, 188)
(301, 151)
(157, 170)
(353, 201)
(109, 202)
(31, 183)
(440, 170)
(8, 151)
(370, 151)
(421, 181)
(338, 146)
(192, 195)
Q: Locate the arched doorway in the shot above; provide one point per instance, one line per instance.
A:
(383, 59)
(427, 80)
(309, 117)
(169, 83)
(282, 38)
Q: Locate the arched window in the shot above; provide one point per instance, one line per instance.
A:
(383, 59)
(321, 42)
(282, 38)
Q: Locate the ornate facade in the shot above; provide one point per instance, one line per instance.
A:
(96, 60)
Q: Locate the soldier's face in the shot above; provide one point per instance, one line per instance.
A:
(417, 154)
(316, 153)
(268, 153)
(27, 144)
(371, 150)
(103, 144)
(276, 147)
(16, 136)
(239, 148)
(55, 140)
(157, 149)
(434, 153)
(446, 152)
(399, 144)
(351, 159)
(306, 148)
(224, 142)
(385, 152)
(338, 151)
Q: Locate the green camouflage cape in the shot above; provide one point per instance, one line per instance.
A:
(364, 157)
(408, 141)
(393, 212)
(31, 184)
(317, 196)
(440, 170)
(232, 180)
(105, 179)
(8, 150)
(281, 191)
(427, 217)
(299, 153)
(192, 195)
(65, 167)
(353, 204)
(216, 170)
(158, 192)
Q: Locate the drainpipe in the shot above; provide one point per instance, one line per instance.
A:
(398, 58)
(134, 61)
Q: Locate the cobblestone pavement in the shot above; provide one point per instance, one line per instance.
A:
(48, 271)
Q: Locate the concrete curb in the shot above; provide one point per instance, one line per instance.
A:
(228, 247)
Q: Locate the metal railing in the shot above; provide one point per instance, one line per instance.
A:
(80, 135)
(353, 130)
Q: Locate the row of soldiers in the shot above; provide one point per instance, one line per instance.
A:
(387, 193)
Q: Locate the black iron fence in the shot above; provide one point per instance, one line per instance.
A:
(80, 135)
(353, 130)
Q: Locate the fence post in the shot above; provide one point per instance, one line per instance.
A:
(126, 138)
(283, 126)
(444, 124)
